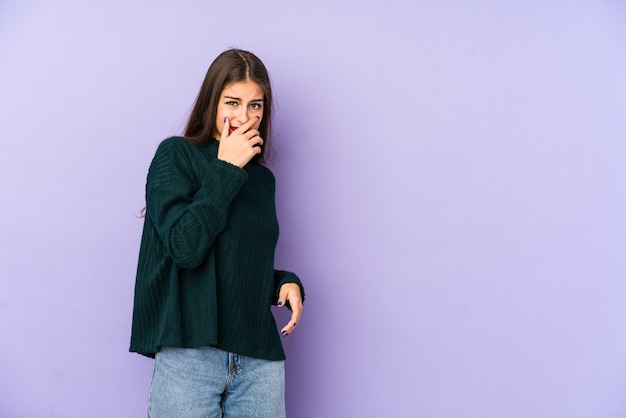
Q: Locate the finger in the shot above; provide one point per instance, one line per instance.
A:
(225, 128)
(251, 133)
(283, 293)
(296, 313)
(291, 325)
(248, 125)
(289, 292)
(286, 330)
(256, 141)
(295, 317)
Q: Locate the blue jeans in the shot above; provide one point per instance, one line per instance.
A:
(208, 382)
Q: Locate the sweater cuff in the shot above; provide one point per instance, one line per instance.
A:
(223, 180)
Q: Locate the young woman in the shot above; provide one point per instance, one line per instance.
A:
(205, 276)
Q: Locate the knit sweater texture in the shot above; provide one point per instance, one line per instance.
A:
(205, 275)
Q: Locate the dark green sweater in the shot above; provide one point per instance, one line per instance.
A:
(205, 275)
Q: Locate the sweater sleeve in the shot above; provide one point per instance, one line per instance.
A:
(282, 277)
(189, 214)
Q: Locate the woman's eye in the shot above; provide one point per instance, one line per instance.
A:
(255, 106)
(231, 103)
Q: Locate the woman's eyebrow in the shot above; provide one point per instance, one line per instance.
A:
(237, 98)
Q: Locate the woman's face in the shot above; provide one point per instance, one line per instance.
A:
(239, 102)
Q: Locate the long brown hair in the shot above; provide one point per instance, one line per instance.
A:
(230, 66)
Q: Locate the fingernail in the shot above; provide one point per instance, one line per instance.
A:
(294, 324)
(258, 117)
(285, 333)
(280, 304)
(224, 120)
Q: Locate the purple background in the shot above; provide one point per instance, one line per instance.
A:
(450, 187)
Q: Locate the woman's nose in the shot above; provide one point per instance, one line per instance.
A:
(242, 115)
